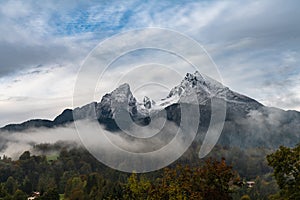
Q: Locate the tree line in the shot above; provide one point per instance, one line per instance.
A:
(73, 174)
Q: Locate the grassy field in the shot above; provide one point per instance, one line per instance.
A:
(52, 157)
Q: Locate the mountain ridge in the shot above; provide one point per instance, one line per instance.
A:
(247, 122)
(120, 95)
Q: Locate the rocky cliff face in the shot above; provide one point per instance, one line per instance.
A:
(248, 123)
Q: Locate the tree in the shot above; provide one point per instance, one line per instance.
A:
(211, 181)
(25, 156)
(51, 194)
(75, 188)
(137, 188)
(94, 186)
(64, 180)
(11, 185)
(3, 191)
(27, 185)
(46, 182)
(215, 179)
(245, 197)
(19, 195)
(286, 164)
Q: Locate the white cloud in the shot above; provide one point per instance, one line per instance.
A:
(15, 9)
(254, 43)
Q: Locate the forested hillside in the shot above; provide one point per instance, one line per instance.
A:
(75, 174)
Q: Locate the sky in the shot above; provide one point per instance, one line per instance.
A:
(255, 44)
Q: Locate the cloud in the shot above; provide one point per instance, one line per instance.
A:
(13, 144)
(33, 93)
(110, 148)
(30, 37)
(254, 43)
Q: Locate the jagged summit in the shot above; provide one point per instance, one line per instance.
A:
(120, 98)
(195, 78)
(191, 84)
(206, 88)
(122, 93)
(148, 103)
(201, 84)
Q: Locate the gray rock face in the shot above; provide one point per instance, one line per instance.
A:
(120, 98)
(248, 123)
(207, 88)
(148, 103)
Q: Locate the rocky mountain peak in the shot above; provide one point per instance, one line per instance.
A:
(206, 88)
(148, 103)
(120, 98)
(122, 93)
(190, 84)
(194, 79)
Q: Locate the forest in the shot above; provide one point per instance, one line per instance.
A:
(61, 172)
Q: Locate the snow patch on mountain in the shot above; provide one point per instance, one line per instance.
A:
(193, 85)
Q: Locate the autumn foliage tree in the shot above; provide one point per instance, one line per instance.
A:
(210, 181)
(286, 164)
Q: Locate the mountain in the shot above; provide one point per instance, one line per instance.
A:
(248, 123)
